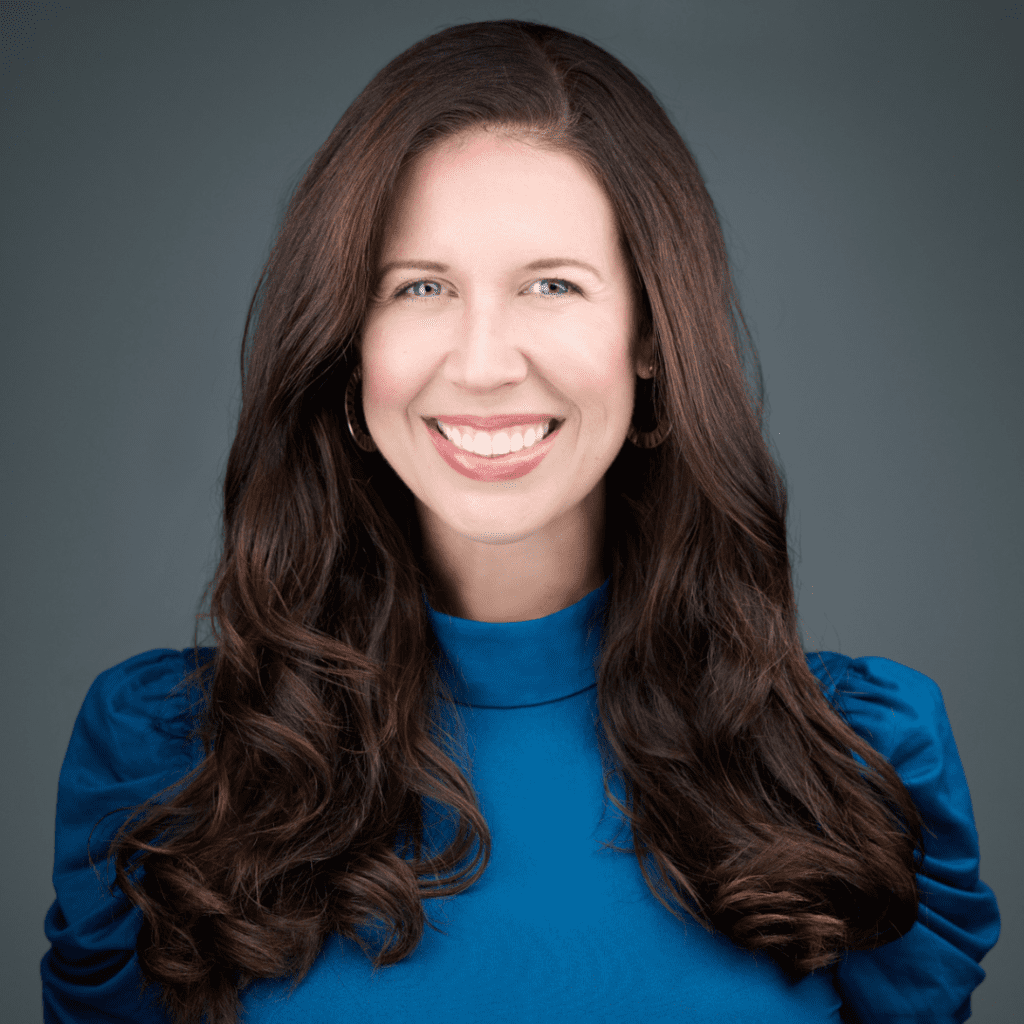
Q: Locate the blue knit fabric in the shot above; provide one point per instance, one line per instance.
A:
(559, 927)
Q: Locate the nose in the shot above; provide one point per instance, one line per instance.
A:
(485, 351)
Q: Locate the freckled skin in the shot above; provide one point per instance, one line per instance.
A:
(488, 336)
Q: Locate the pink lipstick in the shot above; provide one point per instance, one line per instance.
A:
(491, 468)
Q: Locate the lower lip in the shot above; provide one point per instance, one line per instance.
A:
(500, 467)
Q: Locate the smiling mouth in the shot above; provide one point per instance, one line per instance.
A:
(512, 439)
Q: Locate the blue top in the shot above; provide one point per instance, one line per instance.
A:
(557, 928)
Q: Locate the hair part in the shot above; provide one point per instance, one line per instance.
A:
(753, 806)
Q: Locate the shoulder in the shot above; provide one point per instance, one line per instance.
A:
(159, 693)
(135, 730)
(897, 709)
(877, 681)
(900, 712)
(132, 738)
(150, 691)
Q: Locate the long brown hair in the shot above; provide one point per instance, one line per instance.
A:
(753, 805)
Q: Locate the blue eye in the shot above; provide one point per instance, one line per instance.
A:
(562, 284)
(416, 284)
(568, 286)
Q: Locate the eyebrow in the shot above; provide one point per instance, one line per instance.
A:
(443, 268)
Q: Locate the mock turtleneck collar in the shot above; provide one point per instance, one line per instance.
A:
(518, 664)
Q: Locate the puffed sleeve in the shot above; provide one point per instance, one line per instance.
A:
(927, 975)
(130, 740)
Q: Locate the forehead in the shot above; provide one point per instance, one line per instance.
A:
(485, 188)
(487, 150)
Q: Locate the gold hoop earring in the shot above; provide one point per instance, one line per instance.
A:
(650, 438)
(355, 428)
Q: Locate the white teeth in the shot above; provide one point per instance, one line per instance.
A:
(489, 445)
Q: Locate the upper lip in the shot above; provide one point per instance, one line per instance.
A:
(511, 419)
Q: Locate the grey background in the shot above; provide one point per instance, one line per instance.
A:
(865, 159)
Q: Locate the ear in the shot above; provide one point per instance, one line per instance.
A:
(645, 357)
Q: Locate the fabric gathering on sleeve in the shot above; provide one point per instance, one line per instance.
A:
(129, 742)
(929, 973)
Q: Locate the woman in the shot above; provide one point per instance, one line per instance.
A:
(509, 549)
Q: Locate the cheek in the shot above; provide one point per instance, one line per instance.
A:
(597, 353)
(604, 376)
(390, 373)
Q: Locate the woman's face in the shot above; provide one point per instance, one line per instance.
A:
(483, 310)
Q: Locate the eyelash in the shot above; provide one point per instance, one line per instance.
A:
(401, 293)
